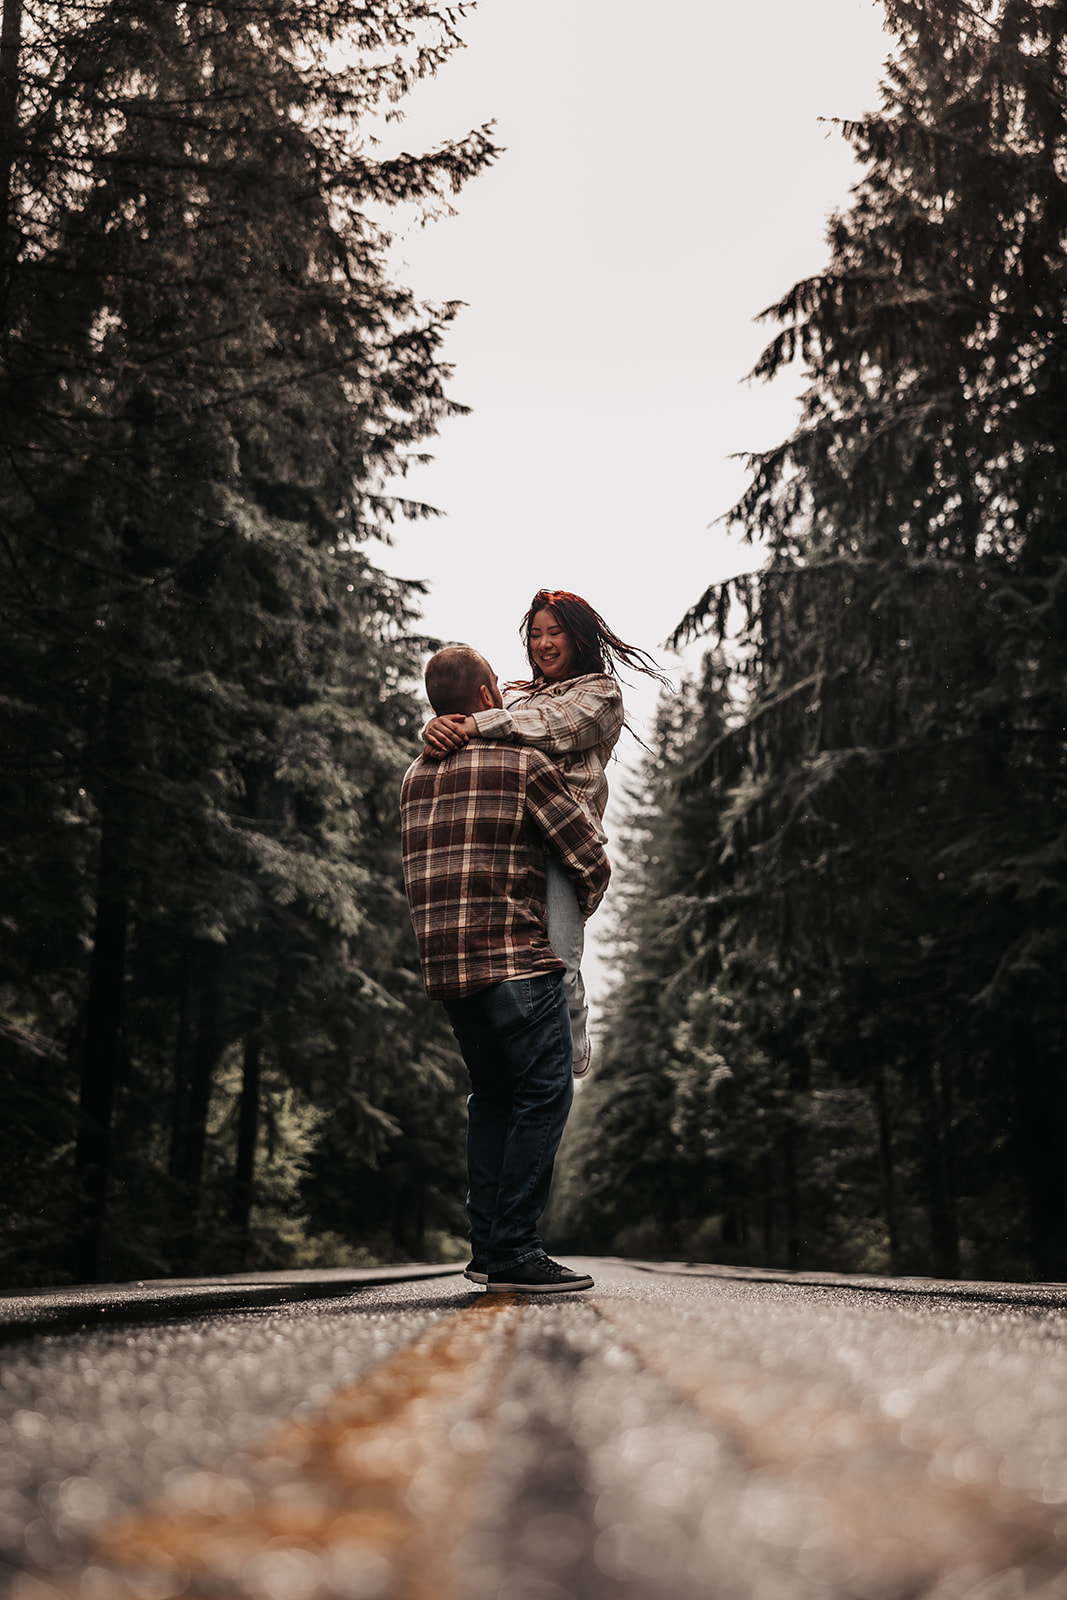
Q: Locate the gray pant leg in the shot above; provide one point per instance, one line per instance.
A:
(566, 935)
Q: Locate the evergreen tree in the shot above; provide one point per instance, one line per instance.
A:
(902, 814)
(886, 868)
(207, 375)
(635, 1171)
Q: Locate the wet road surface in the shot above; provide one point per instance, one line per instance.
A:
(662, 1437)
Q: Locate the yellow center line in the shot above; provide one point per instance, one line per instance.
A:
(367, 1497)
(895, 1506)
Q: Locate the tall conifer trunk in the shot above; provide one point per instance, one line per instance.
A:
(799, 1082)
(937, 1161)
(10, 46)
(1042, 1121)
(100, 1048)
(183, 1044)
(210, 1044)
(766, 1175)
(247, 1133)
(207, 1049)
(887, 1157)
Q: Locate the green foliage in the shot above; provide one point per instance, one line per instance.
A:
(882, 868)
(207, 375)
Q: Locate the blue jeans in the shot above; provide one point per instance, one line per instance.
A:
(516, 1041)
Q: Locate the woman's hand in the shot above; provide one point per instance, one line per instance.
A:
(445, 734)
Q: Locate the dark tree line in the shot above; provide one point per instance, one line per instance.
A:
(206, 687)
(839, 1039)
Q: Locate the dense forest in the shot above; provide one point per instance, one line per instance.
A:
(836, 1034)
(208, 1056)
(837, 1038)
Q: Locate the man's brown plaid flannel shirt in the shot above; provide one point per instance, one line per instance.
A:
(474, 829)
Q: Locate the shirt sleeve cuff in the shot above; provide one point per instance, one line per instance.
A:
(494, 724)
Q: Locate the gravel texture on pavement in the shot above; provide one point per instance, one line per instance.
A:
(666, 1436)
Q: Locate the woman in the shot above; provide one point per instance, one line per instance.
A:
(571, 709)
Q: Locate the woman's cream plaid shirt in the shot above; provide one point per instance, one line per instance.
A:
(576, 722)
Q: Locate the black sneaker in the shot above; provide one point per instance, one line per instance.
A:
(538, 1276)
(476, 1271)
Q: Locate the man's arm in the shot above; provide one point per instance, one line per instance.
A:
(567, 831)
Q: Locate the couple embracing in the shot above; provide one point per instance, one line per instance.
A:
(504, 860)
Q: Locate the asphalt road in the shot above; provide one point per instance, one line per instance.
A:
(665, 1436)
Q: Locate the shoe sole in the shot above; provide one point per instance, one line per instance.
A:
(539, 1288)
(476, 1277)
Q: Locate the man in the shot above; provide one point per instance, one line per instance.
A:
(475, 828)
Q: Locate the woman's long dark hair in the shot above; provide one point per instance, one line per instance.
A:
(599, 649)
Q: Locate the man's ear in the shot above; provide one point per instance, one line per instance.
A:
(485, 695)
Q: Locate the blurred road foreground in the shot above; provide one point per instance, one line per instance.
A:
(398, 1435)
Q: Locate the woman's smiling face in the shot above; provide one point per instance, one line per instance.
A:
(551, 646)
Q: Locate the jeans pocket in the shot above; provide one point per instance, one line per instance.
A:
(520, 1003)
(508, 1005)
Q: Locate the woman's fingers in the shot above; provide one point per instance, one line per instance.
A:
(446, 733)
(443, 735)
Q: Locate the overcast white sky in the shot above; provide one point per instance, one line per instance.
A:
(666, 177)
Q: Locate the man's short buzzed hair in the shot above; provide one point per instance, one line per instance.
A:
(453, 677)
